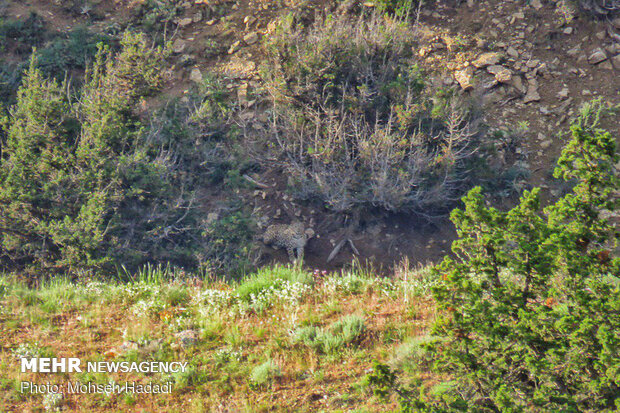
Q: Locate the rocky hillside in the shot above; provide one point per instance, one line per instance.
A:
(527, 67)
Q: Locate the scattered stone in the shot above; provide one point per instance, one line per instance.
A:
(568, 30)
(249, 20)
(178, 46)
(574, 51)
(195, 75)
(234, 47)
(601, 35)
(519, 15)
(532, 93)
(517, 83)
(490, 84)
(616, 61)
(128, 346)
(185, 22)
(250, 38)
(197, 17)
(242, 94)
(597, 56)
(187, 338)
(536, 4)
(613, 48)
(546, 144)
(606, 65)
(502, 74)
(532, 63)
(464, 77)
(487, 59)
(563, 94)
(211, 22)
(512, 52)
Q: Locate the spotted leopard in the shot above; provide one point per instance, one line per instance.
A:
(292, 237)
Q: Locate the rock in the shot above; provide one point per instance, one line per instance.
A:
(186, 22)
(563, 94)
(249, 20)
(546, 144)
(532, 63)
(532, 93)
(517, 83)
(512, 52)
(464, 77)
(574, 51)
(490, 84)
(536, 4)
(502, 74)
(187, 338)
(195, 75)
(613, 49)
(616, 61)
(178, 46)
(616, 22)
(597, 56)
(234, 47)
(242, 94)
(186, 60)
(568, 30)
(606, 65)
(197, 17)
(519, 15)
(250, 38)
(128, 346)
(212, 22)
(487, 59)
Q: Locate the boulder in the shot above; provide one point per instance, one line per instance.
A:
(597, 56)
(487, 59)
(464, 77)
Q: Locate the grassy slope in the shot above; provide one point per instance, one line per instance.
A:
(270, 319)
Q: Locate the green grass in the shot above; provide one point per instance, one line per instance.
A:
(275, 330)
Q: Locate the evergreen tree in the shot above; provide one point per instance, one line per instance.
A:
(530, 305)
(79, 186)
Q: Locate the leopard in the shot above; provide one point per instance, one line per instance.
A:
(291, 237)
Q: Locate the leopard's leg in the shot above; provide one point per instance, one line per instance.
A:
(291, 254)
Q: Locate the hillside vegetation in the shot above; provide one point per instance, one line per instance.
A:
(523, 318)
(442, 176)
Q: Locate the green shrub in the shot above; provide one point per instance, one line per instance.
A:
(350, 328)
(354, 119)
(156, 15)
(528, 305)
(73, 50)
(228, 242)
(79, 188)
(265, 373)
(346, 331)
(266, 278)
(24, 33)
